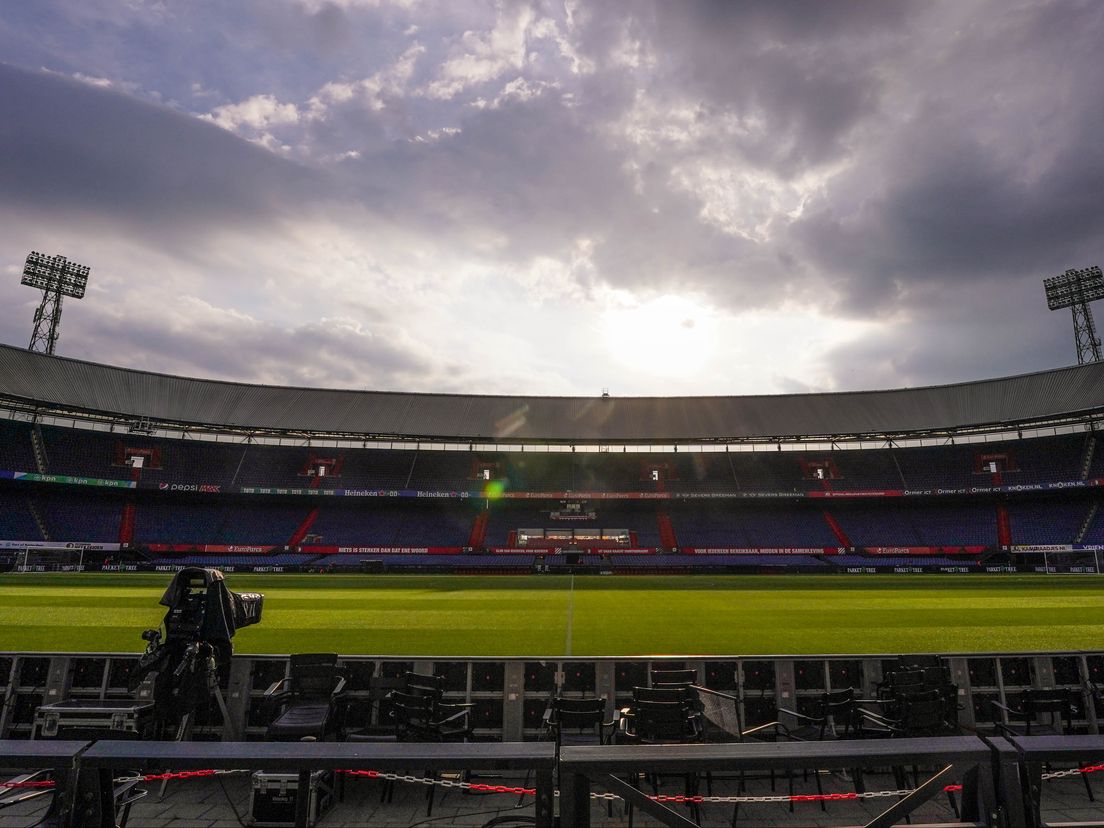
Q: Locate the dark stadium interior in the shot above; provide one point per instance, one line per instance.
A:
(296, 506)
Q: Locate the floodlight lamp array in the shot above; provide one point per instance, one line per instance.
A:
(1074, 287)
(55, 274)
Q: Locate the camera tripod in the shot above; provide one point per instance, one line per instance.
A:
(198, 657)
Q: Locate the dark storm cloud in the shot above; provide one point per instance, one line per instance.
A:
(914, 167)
(73, 148)
(989, 185)
(806, 73)
(972, 163)
(322, 353)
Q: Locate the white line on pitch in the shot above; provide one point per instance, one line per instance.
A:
(570, 612)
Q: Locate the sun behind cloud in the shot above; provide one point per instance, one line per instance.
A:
(670, 335)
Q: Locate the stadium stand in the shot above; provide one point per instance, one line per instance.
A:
(16, 520)
(1047, 521)
(237, 490)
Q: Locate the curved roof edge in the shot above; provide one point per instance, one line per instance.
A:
(61, 384)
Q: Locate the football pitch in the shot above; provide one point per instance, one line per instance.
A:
(557, 616)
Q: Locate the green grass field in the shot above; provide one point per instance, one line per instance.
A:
(584, 616)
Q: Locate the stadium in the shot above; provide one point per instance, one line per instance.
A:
(523, 549)
(554, 413)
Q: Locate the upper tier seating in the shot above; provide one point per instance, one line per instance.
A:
(173, 461)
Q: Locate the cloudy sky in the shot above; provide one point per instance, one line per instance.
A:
(555, 197)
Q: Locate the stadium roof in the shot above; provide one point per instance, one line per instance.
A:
(61, 385)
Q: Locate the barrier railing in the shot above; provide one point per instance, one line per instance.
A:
(999, 780)
(1021, 775)
(60, 758)
(103, 758)
(965, 758)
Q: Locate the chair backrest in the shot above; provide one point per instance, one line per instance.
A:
(678, 694)
(840, 708)
(661, 721)
(578, 716)
(937, 676)
(314, 676)
(918, 662)
(1059, 704)
(413, 714)
(421, 685)
(902, 680)
(923, 714)
(578, 713)
(665, 677)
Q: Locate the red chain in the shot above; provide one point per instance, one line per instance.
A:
(503, 789)
(154, 777)
(478, 786)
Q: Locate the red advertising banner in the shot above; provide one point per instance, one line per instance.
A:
(381, 550)
(522, 550)
(220, 549)
(924, 550)
(782, 550)
(856, 493)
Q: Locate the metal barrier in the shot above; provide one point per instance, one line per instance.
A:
(968, 758)
(1021, 770)
(60, 758)
(999, 780)
(105, 757)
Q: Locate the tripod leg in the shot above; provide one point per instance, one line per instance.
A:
(227, 724)
(183, 732)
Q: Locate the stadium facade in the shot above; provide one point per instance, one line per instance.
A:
(162, 471)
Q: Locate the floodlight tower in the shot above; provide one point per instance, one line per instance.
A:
(56, 277)
(1074, 289)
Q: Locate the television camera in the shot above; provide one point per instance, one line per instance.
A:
(192, 658)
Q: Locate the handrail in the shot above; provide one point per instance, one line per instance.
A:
(968, 758)
(103, 757)
(1000, 777)
(1030, 753)
(60, 757)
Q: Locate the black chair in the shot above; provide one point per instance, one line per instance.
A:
(663, 678)
(676, 693)
(1096, 698)
(920, 713)
(1041, 713)
(417, 684)
(897, 682)
(309, 702)
(661, 723)
(419, 716)
(577, 721)
(835, 715)
(915, 713)
(427, 719)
